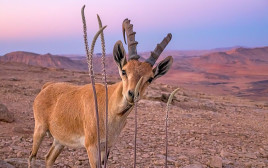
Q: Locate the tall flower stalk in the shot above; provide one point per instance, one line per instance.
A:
(166, 124)
(92, 76)
(106, 91)
(136, 99)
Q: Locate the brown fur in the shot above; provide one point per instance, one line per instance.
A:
(67, 112)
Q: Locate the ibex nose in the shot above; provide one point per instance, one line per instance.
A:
(131, 94)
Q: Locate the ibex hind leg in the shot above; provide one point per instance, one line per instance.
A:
(53, 153)
(39, 133)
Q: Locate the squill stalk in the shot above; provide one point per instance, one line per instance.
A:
(106, 92)
(136, 99)
(91, 73)
(167, 111)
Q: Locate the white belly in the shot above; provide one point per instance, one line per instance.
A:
(74, 141)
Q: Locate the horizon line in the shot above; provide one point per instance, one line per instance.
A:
(170, 50)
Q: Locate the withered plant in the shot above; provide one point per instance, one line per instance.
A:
(91, 73)
(166, 123)
(136, 99)
(106, 91)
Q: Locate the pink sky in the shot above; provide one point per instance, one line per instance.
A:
(52, 24)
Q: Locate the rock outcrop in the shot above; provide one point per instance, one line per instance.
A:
(5, 114)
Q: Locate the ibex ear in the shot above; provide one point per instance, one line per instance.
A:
(119, 54)
(163, 67)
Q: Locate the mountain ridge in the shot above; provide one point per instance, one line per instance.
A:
(239, 71)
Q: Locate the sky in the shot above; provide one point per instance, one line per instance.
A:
(55, 26)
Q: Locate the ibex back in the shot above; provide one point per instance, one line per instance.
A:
(67, 111)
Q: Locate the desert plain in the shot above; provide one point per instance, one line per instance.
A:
(219, 118)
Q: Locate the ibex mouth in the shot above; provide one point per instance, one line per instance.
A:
(126, 109)
(128, 101)
(135, 100)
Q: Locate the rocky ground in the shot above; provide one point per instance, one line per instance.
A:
(204, 130)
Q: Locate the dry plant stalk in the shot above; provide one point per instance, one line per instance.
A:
(136, 99)
(91, 74)
(106, 91)
(167, 111)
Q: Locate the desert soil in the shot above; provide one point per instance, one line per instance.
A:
(204, 130)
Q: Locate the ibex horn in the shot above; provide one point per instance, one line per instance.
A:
(132, 44)
(158, 50)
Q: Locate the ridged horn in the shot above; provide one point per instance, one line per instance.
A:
(158, 50)
(127, 28)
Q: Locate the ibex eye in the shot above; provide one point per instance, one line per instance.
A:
(150, 80)
(124, 72)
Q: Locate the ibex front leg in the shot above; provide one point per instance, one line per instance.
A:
(92, 152)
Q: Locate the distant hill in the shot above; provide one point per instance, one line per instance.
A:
(250, 61)
(56, 61)
(47, 60)
(240, 71)
(238, 55)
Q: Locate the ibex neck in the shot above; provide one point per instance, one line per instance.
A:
(117, 102)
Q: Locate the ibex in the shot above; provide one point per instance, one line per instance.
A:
(67, 112)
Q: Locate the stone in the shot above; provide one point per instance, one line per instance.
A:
(22, 130)
(194, 166)
(19, 154)
(248, 165)
(216, 162)
(226, 154)
(82, 158)
(5, 114)
(183, 157)
(146, 155)
(78, 162)
(115, 158)
(160, 162)
(177, 164)
(263, 154)
(5, 164)
(23, 162)
(226, 162)
(14, 79)
(250, 155)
